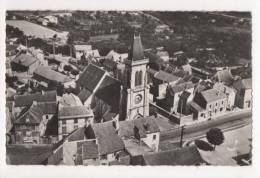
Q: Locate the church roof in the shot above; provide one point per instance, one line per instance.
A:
(136, 51)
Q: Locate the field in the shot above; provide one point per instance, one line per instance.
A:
(31, 29)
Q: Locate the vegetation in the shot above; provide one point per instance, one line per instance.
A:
(215, 136)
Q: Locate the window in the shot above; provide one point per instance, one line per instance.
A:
(47, 117)
(201, 115)
(221, 109)
(210, 106)
(216, 104)
(64, 130)
(222, 102)
(63, 121)
(138, 78)
(154, 137)
(75, 121)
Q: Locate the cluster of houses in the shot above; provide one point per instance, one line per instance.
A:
(107, 122)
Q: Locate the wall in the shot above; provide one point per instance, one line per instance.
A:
(149, 141)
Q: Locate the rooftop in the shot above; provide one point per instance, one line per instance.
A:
(68, 112)
(24, 59)
(212, 95)
(165, 76)
(145, 126)
(91, 76)
(180, 87)
(136, 51)
(27, 99)
(83, 47)
(185, 156)
(49, 74)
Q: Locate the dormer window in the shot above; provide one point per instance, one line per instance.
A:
(27, 120)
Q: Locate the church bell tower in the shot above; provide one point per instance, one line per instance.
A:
(135, 88)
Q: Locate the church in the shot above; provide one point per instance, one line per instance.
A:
(109, 97)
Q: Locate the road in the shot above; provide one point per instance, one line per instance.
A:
(225, 123)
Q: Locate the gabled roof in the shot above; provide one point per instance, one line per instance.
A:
(145, 126)
(186, 156)
(84, 95)
(24, 59)
(212, 95)
(107, 138)
(180, 87)
(91, 76)
(165, 76)
(110, 64)
(68, 112)
(27, 99)
(51, 75)
(109, 92)
(34, 114)
(136, 51)
(243, 84)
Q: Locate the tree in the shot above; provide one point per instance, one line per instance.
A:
(215, 136)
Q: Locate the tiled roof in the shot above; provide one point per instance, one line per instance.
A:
(27, 100)
(166, 77)
(243, 84)
(74, 112)
(35, 113)
(144, 125)
(91, 76)
(24, 59)
(136, 51)
(109, 92)
(84, 94)
(212, 95)
(107, 138)
(24, 155)
(109, 64)
(162, 53)
(49, 74)
(186, 156)
(180, 87)
(89, 150)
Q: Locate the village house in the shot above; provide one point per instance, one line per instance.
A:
(116, 57)
(25, 63)
(43, 21)
(230, 93)
(81, 50)
(162, 28)
(47, 78)
(161, 80)
(99, 91)
(97, 144)
(209, 103)
(24, 101)
(30, 126)
(142, 130)
(187, 156)
(179, 96)
(244, 93)
(72, 117)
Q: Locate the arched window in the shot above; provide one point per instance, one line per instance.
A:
(140, 77)
(136, 78)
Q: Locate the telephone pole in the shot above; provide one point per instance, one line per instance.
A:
(182, 132)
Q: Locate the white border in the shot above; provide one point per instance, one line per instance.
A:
(151, 172)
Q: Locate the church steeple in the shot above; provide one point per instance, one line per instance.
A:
(136, 90)
(136, 51)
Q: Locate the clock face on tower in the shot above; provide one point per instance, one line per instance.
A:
(138, 99)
